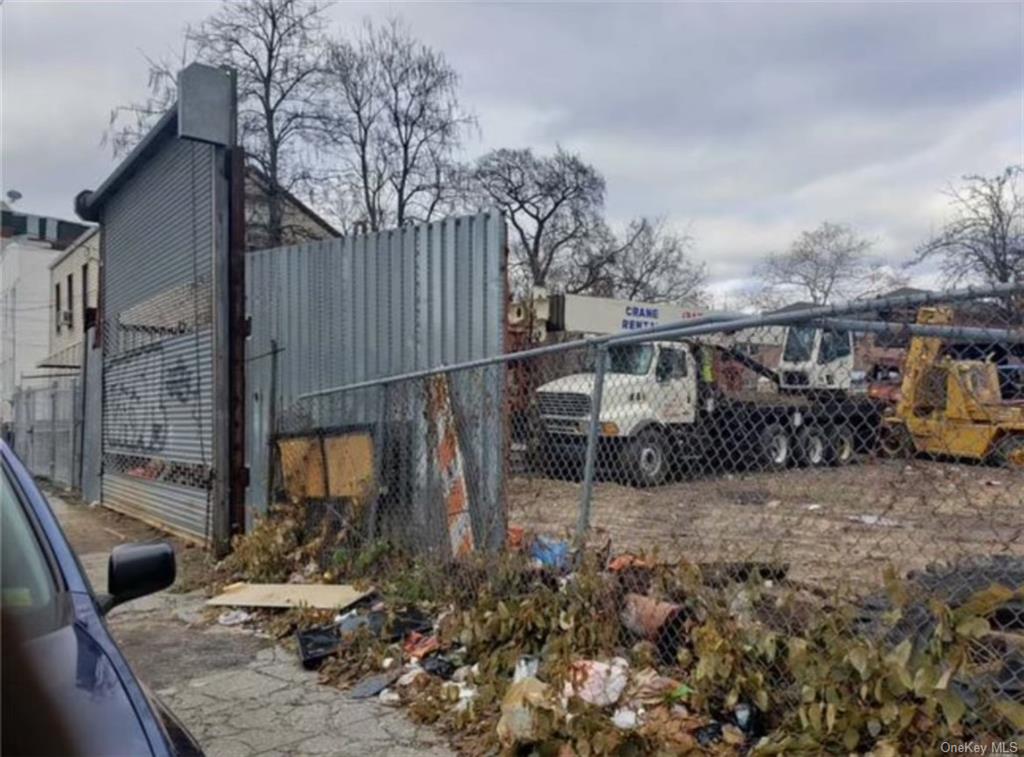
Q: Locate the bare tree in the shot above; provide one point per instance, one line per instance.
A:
(653, 264)
(393, 118)
(821, 265)
(553, 205)
(275, 48)
(984, 239)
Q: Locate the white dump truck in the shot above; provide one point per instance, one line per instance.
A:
(663, 410)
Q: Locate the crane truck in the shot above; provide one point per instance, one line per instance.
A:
(663, 412)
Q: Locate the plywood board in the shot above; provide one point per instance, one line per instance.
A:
(319, 596)
(349, 465)
(302, 464)
(349, 459)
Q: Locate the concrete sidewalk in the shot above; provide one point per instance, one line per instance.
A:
(238, 693)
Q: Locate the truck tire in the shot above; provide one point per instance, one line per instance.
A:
(842, 445)
(775, 448)
(813, 447)
(1009, 451)
(894, 441)
(646, 458)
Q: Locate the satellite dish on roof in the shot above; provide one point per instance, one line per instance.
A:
(13, 195)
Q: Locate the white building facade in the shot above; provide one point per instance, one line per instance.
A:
(74, 290)
(28, 245)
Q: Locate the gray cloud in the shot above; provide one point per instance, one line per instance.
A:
(741, 122)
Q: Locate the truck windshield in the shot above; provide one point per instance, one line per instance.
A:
(634, 359)
(799, 344)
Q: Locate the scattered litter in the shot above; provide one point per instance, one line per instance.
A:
(319, 596)
(597, 683)
(461, 675)
(626, 719)
(418, 646)
(627, 560)
(660, 622)
(386, 663)
(438, 666)
(519, 710)
(233, 617)
(317, 644)
(462, 693)
(516, 538)
(748, 719)
(389, 697)
(993, 483)
(118, 534)
(648, 687)
(550, 553)
(373, 685)
(813, 506)
(874, 520)
(526, 667)
(409, 676)
(773, 503)
(709, 734)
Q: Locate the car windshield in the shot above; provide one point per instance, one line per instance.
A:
(28, 583)
(799, 344)
(633, 359)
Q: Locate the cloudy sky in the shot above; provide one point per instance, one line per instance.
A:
(742, 122)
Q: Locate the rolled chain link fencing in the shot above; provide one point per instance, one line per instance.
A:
(865, 460)
(47, 430)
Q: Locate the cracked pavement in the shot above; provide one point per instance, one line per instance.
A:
(237, 692)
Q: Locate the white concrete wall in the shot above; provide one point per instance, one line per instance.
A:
(25, 306)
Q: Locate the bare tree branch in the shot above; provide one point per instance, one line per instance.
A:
(275, 48)
(822, 265)
(983, 241)
(392, 118)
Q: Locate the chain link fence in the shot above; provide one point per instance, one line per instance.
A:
(47, 430)
(812, 517)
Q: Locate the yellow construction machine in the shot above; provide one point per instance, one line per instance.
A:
(955, 406)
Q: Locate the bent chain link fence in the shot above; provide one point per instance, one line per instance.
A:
(47, 430)
(863, 463)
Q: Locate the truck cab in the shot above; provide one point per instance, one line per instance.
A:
(816, 359)
(650, 392)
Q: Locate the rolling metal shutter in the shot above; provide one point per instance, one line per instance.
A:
(159, 241)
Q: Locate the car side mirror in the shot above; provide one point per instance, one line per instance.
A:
(135, 570)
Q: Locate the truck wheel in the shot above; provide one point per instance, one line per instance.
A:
(646, 458)
(841, 445)
(1009, 451)
(894, 441)
(775, 448)
(812, 447)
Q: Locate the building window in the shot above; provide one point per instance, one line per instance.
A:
(56, 306)
(71, 300)
(85, 290)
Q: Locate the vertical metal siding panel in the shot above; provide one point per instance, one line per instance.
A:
(449, 293)
(477, 257)
(378, 304)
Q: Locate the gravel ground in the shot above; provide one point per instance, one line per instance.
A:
(829, 525)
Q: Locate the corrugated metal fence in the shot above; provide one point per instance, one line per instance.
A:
(362, 307)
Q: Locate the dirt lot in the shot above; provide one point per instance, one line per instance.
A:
(830, 525)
